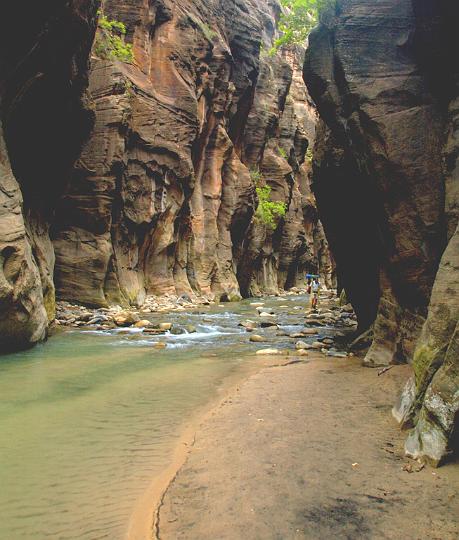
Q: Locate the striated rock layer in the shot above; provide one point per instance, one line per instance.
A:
(384, 78)
(146, 183)
(163, 196)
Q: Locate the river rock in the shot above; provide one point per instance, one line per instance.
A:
(143, 324)
(264, 309)
(166, 326)
(97, 319)
(177, 330)
(257, 338)
(313, 322)
(309, 331)
(248, 325)
(301, 345)
(268, 351)
(190, 328)
(269, 324)
(336, 354)
(126, 318)
(316, 345)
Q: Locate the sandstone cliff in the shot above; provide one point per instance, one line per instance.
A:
(146, 183)
(163, 196)
(386, 180)
(43, 122)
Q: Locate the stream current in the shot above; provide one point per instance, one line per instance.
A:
(88, 418)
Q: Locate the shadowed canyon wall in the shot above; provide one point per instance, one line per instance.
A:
(145, 183)
(43, 121)
(384, 78)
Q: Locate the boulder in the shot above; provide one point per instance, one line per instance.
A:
(126, 318)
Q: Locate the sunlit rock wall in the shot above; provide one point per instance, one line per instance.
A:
(162, 199)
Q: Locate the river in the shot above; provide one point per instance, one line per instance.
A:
(89, 418)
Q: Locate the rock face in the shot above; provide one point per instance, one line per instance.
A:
(43, 121)
(383, 78)
(146, 183)
(162, 198)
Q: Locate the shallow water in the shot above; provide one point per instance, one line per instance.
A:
(89, 418)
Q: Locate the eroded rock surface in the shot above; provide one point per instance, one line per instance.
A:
(384, 78)
(43, 121)
(146, 183)
(163, 196)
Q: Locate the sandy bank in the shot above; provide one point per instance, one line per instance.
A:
(308, 450)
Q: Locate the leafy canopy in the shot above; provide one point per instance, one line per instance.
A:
(298, 19)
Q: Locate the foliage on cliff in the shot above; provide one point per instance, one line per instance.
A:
(299, 17)
(110, 40)
(268, 212)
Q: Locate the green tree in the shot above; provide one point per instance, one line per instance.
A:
(299, 17)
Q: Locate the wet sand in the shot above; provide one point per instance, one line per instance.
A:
(307, 450)
(143, 521)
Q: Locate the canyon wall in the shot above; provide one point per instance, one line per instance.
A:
(43, 122)
(384, 78)
(162, 199)
(144, 182)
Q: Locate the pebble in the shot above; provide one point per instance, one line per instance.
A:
(301, 345)
(256, 338)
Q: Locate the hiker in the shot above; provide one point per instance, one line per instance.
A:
(315, 293)
(308, 288)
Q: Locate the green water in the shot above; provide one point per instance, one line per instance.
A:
(88, 419)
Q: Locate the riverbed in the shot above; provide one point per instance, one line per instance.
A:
(89, 418)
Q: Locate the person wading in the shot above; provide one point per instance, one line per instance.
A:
(315, 293)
